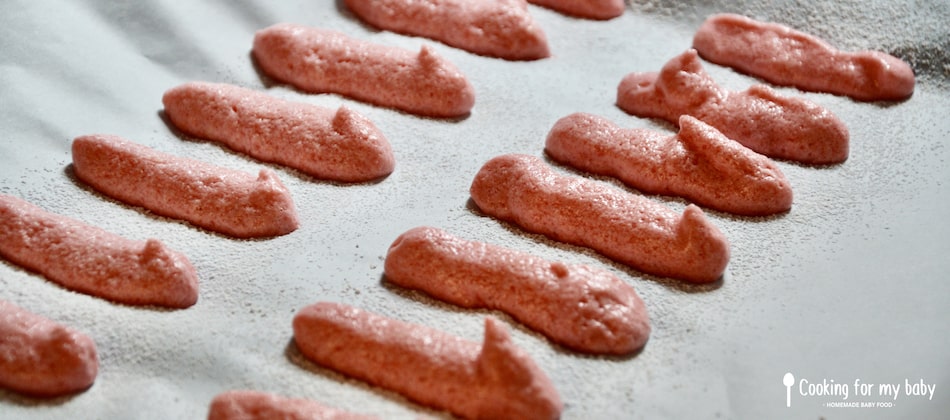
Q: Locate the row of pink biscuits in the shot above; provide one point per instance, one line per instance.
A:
(415, 273)
(785, 128)
(426, 394)
(679, 165)
(42, 358)
(39, 357)
(90, 260)
(501, 177)
(390, 266)
(93, 261)
(401, 13)
(377, 380)
(287, 52)
(340, 145)
(94, 155)
(50, 360)
(761, 120)
(127, 171)
(317, 60)
(443, 371)
(501, 28)
(283, 50)
(434, 398)
(341, 363)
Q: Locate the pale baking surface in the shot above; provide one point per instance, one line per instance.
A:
(851, 284)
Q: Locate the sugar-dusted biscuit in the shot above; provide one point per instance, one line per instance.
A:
(588, 9)
(784, 56)
(628, 228)
(40, 357)
(494, 379)
(339, 145)
(224, 200)
(93, 261)
(323, 61)
(494, 28)
(581, 307)
(758, 118)
(699, 163)
(255, 405)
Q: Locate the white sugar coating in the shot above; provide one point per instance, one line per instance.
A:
(862, 253)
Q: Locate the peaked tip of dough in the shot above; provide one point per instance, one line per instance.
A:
(524, 390)
(709, 245)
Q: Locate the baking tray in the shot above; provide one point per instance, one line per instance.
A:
(850, 285)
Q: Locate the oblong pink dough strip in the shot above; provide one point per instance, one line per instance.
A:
(494, 28)
(40, 357)
(339, 145)
(93, 261)
(231, 202)
(784, 56)
(493, 380)
(631, 229)
(699, 163)
(758, 118)
(580, 307)
(588, 9)
(322, 61)
(248, 405)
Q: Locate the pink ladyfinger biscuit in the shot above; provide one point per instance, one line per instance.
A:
(231, 202)
(588, 9)
(631, 229)
(758, 118)
(323, 61)
(492, 380)
(494, 28)
(338, 145)
(784, 56)
(93, 261)
(580, 307)
(254, 405)
(699, 163)
(39, 357)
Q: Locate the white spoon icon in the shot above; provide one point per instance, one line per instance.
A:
(788, 380)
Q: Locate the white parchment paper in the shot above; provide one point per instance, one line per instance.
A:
(852, 284)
